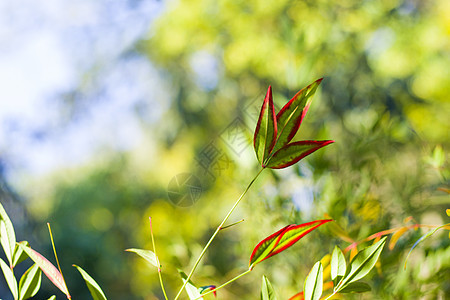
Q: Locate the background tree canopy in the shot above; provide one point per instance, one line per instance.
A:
(384, 100)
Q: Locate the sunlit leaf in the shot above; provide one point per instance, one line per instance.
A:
(52, 298)
(48, 268)
(300, 296)
(266, 129)
(314, 283)
(448, 211)
(293, 152)
(19, 255)
(363, 262)
(281, 240)
(191, 289)
(94, 288)
(356, 287)
(338, 264)
(7, 235)
(267, 291)
(396, 236)
(30, 282)
(10, 279)
(148, 255)
(291, 115)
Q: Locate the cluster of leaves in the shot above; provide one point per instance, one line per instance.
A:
(30, 281)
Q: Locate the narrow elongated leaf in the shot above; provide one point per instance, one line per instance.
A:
(191, 289)
(293, 152)
(7, 235)
(314, 283)
(30, 283)
(94, 288)
(356, 287)
(396, 236)
(19, 255)
(266, 129)
(281, 240)
(300, 296)
(10, 279)
(363, 262)
(48, 268)
(338, 264)
(148, 255)
(52, 298)
(267, 291)
(291, 115)
(423, 237)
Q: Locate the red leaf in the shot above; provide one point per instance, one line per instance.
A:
(281, 240)
(291, 115)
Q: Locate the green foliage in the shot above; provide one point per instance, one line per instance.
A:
(267, 291)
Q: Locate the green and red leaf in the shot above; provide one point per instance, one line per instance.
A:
(293, 152)
(266, 129)
(291, 115)
(281, 240)
(48, 268)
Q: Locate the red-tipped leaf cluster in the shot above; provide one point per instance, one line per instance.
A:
(273, 133)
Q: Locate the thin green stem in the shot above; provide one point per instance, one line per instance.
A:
(235, 223)
(225, 284)
(57, 260)
(215, 233)
(157, 259)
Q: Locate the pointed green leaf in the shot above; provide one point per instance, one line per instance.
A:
(30, 283)
(7, 235)
(356, 287)
(19, 255)
(314, 283)
(281, 240)
(10, 279)
(338, 264)
(291, 115)
(148, 255)
(191, 289)
(48, 268)
(94, 288)
(267, 291)
(363, 262)
(293, 152)
(266, 129)
(52, 298)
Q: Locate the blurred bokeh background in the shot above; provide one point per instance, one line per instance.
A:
(115, 111)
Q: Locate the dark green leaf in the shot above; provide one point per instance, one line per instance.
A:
(266, 129)
(314, 283)
(94, 288)
(293, 152)
(30, 283)
(356, 287)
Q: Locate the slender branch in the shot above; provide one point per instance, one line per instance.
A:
(215, 233)
(232, 224)
(57, 260)
(157, 259)
(225, 284)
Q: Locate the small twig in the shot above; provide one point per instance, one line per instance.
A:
(57, 260)
(235, 223)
